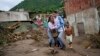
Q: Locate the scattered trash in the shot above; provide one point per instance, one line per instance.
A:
(35, 50)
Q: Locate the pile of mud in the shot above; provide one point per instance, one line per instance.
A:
(8, 36)
(2, 53)
(4, 34)
(92, 41)
(95, 40)
(37, 35)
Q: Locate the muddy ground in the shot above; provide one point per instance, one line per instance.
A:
(35, 43)
(32, 48)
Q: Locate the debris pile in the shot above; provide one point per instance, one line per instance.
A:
(4, 34)
(1, 51)
(7, 35)
(93, 41)
(37, 35)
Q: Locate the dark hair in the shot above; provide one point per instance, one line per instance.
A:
(49, 19)
(66, 23)
(55, 12)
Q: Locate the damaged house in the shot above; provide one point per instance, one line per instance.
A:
(83, 15)
(14, 16)
(19, 21)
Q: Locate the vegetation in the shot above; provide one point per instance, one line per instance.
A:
(39, 6)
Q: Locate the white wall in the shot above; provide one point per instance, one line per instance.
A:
(90, 19)
(14, 16)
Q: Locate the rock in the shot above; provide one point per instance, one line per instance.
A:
(86, 44)
(51, 51)
(28, 36)
(54, 51)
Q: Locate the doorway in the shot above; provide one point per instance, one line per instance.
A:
(80, 27)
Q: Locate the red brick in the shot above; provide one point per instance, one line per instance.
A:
(73, 6)
(97, 2)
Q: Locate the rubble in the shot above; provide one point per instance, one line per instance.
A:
(9, 36)
(4, 34)
(1, 52)
(92, 41)
(14, 26)
(51, 51)
(95, 39)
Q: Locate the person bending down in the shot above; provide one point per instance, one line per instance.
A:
(51, 28)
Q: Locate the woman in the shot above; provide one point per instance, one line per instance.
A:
(51, 28)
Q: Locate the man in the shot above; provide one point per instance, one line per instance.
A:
(59, 22)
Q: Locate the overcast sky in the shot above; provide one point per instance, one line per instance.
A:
(6, 5)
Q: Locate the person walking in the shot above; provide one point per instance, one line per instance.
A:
(59, 22)
(68, 33)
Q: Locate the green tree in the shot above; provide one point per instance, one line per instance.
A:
(39, 6)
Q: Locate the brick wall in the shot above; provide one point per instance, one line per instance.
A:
(72, 6)
(97, 2)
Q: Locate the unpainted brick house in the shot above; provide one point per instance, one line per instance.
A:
(83, 15)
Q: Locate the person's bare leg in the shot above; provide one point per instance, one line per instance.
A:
(70, 45)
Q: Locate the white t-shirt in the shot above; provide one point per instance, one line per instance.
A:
(52, 26)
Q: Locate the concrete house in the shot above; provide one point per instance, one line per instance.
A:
(83, 15)
(14, 16)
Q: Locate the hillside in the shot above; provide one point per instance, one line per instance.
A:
(42, 6)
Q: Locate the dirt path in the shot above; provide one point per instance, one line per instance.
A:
(31, 48)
